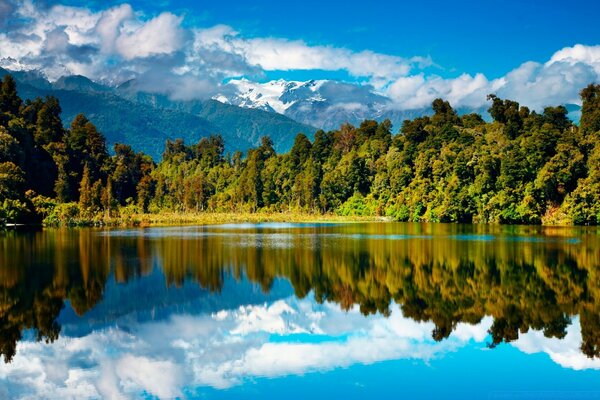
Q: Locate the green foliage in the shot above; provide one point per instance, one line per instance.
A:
(12, 181)
(524, 168)
(10, 103)
(358, 205)
(11, 211)
(65, 214)
(590, 110)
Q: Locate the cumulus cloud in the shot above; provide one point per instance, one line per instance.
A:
(160, 35)
(109, 25)
(108, 45)
(579, 53)
(417, 91)
(558, 81)
(278, 54)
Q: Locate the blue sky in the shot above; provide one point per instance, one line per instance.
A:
(486, 36)
(536, 52)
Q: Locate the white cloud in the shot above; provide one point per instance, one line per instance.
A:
(120, 43)
(419, 91)
(579, 53)
(109, 25)
(279, 54)
(160, 35)
(536, 85)
(51, 39)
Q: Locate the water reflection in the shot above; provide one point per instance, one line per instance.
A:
(413, 284)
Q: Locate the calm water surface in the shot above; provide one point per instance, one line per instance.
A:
(301, 311)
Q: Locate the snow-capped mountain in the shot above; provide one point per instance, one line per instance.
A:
(322, 103)
(275, 96)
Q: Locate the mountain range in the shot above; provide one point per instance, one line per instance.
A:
(326, 104)
(145, 121)
(242, 113)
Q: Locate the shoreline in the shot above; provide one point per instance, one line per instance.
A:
(170, 219)
(210, 218)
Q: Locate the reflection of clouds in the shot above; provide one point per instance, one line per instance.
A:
(219, 350)
(565, 352)
(177, 356)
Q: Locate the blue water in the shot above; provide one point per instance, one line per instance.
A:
(228, 312)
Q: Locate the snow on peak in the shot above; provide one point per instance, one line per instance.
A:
(277, 95)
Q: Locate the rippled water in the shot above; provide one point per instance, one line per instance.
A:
(301, 311)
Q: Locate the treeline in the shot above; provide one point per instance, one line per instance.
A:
(524, 167)
(57, 174)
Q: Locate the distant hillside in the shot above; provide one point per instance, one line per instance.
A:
(145, 125)
(247, 123)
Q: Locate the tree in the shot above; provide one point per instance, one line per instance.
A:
(508, 113)
(86, 195)
(108, 200)
(12, 181)
(560, 174)
(557, 117)
(86, 146)
(590, 110)
(266, 150)
(472, 120)
(129, 168)
(251, 184)
(300, 151)
(321, 148)
(210, 150)
(415, 130)
(10, 102)
(145, 191)
(49, 128)
(443, 113)
(9, 147)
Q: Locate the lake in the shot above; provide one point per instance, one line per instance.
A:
(361, 310)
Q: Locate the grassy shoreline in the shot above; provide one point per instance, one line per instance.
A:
(210, 218)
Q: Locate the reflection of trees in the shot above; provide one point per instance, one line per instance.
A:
(524, 285)
(37, 273)
(528, 285)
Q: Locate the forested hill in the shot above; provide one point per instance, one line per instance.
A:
(524, 167)
(146, 121)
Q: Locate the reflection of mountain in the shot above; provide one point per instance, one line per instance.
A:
(443, 274)
(147, 298)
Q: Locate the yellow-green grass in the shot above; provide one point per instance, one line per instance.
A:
(211, 218)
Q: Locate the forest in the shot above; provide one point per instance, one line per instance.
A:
(523, 167)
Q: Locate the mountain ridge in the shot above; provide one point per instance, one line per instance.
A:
(146, 125)
(328, 104)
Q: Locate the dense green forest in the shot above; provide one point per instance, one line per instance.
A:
(523, 168)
